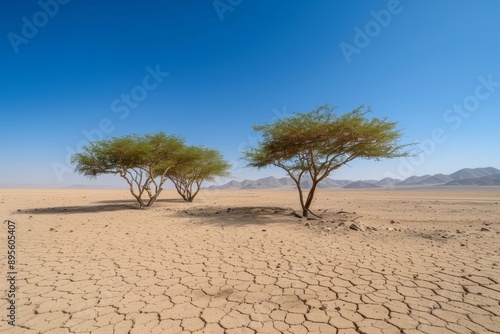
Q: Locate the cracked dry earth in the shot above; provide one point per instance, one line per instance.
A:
(89, 261)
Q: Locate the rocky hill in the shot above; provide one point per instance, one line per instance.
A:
(468, 176)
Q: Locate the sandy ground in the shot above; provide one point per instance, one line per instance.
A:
(90, 261)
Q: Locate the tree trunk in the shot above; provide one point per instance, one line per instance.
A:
(140, 201)
(297, 180)
(181, 189)
(198, 184)
(131, 188)
(310, 196)
(153, 198)
(301, 197)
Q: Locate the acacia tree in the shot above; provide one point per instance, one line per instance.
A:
(318, 142)
(199, 164)
(143, 161)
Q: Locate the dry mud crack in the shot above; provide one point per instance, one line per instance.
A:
(219, 268)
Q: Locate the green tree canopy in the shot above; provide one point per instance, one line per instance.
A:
(199, 164)
(318, 142)
(143, 161)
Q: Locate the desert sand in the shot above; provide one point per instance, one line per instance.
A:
(233, 261)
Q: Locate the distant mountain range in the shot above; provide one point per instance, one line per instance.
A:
(488, 176)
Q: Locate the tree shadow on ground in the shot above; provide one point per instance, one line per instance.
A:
(80, 209)
(106, 206)
(162, 200)
(239, 216)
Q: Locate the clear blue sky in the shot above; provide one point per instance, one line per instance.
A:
(247, 63)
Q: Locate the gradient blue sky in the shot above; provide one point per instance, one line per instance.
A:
(263, 60)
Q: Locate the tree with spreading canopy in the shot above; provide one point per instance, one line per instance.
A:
(318, 142)
(147, 161)
(143, 161)
(199, 164)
